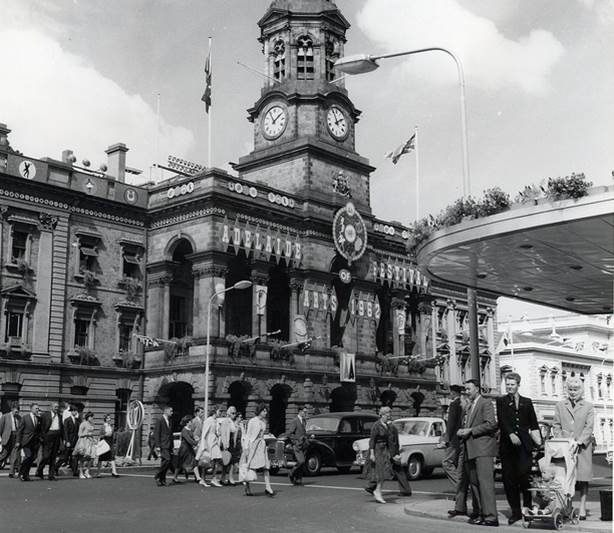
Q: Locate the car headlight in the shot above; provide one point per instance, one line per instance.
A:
(356, 447)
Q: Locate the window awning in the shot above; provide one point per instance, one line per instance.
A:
(89, 251)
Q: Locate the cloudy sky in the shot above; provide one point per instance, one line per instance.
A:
(84, 74)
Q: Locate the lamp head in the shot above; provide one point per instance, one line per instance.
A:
(356, 64)
(243, 284)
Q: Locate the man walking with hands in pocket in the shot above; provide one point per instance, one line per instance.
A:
(298, 437)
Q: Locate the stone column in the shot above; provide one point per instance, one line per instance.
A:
(398, 338)
(296, 287)
(454, 370)
(40, 340)
(208, 276)
(259, 276)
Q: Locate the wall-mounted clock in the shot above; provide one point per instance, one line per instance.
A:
(337, 123)
(274, 122)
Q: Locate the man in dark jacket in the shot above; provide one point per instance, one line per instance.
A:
(28, 440)
(9, 422)
(52, 432)
(163, 439)
(519, 434)
(71, 436)
(298, 437)
(449, 439)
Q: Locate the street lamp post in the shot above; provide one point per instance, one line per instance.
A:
(361, 63)
(239, 285)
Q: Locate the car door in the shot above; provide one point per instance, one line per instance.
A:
(436, 454)
(349, 431)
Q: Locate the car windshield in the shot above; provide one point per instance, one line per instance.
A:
(322, 423)
(412, 427)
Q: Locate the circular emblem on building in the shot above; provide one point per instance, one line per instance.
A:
(349, 233)
(345, 276)
(27, 170)
(130, 196)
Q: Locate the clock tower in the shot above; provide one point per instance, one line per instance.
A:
(304, 122)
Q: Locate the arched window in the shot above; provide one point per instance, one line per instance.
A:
(279, 60)
(278, 302)
(182, 292)
(304, 60)
(332, 54)
(238, 303)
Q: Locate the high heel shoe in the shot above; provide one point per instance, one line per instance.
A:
(247, 491)
(114, 475)
(269, 493)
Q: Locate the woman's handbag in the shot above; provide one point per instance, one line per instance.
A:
(246, 474)
(226, 457)
(204, 459)
(102, 447)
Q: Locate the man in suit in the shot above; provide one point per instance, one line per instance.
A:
(298, 437)
(9, 422)
(450, 464)
(399, 470)
(28, 440)
(70, 426)
(519, 432)
(478, 435)
(163, 439)
(52, 432)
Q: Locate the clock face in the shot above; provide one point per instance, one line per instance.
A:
(337, 123)
(274, 122)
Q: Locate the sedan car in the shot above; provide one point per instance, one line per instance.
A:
(418, 439)
(329, 442)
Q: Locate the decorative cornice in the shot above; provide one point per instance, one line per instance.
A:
(169, 221)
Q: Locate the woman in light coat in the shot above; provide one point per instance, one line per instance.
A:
(210, 443)
(255, 457)
(574, 418)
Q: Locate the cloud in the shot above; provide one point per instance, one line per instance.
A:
(490, 59)
(53, 100)
(604, 9)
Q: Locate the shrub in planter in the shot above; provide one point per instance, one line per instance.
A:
(574, 186)
(530, 193)
(23, 267)
(419, 231)
(494, 201)
(87, 357)
(89, 279)
(132, 286)
(455, 213)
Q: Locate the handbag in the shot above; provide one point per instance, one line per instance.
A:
(246, 474)
(226, 457)
(204, 459)
(102, 447)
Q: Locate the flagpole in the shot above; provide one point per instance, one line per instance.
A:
(417, 172)
(158, 176)
(209, 116)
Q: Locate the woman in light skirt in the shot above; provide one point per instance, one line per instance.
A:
(255, 457)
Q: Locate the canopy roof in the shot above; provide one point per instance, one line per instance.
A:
(559, 254)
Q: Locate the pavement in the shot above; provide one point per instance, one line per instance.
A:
(437, 508)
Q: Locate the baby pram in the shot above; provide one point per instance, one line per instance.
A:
(553, 492)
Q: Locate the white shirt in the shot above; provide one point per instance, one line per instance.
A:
(13, 426)
(55, 422)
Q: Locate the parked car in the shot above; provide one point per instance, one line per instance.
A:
(418, 438)
(330, 438)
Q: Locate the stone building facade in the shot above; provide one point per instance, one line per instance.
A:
(334, 300)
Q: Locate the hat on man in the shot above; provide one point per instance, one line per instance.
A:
(457, 388)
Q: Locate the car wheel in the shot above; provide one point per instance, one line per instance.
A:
(313, 463)
(414, 467)
(344, 469)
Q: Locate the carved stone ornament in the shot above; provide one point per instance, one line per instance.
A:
(48, 221)
(349, 233)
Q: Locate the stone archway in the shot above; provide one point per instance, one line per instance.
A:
(239, 392)
(179, 396)
(343, 398)
(280, 393)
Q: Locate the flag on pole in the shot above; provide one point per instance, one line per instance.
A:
(207, 94)
(405, 148)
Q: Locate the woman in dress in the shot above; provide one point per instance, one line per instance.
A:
(186, 458)
(573, 418)
(255, 457)
(379, 467)
(210, 445)
(85, 449)
(106, 434)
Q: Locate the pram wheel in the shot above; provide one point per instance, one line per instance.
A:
(557, 520)
(575, 517)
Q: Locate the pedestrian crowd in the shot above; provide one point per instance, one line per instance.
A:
(54, 439)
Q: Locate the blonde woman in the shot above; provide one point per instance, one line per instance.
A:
(255, 458)
(573, 418)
